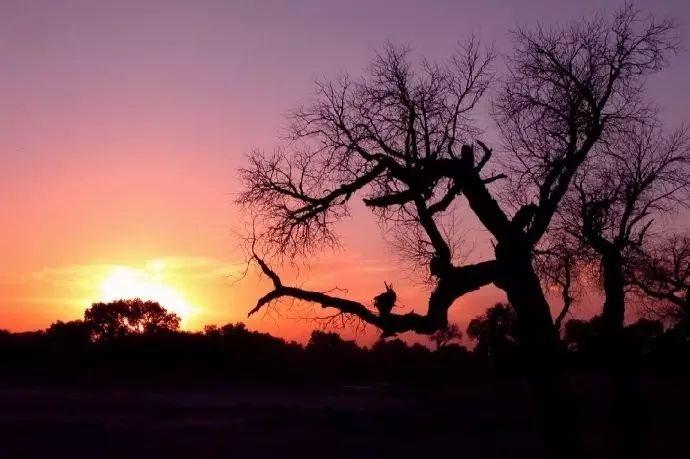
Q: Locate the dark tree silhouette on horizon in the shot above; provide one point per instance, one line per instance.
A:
(446, 335)
(403, 138)
(641, 176)
(496, 333)
(662, 272)
(107, 321)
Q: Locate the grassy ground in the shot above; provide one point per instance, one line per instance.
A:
(469, 421)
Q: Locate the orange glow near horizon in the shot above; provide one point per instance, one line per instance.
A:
(125, 282)
(123, 125)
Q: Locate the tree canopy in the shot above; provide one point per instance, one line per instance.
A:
(131, 316)
(403, 138)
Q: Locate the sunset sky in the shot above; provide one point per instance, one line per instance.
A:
(123, 123)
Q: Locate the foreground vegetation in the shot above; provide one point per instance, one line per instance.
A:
(134, 341)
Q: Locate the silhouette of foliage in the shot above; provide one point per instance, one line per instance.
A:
(119, 318)
(642, 341)
(584, 337)
(443, 337)
(496, 333)
(232, 354)
(330, 344)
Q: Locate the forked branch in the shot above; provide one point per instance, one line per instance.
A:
(460, 281)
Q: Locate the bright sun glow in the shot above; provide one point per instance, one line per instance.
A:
(124, 283)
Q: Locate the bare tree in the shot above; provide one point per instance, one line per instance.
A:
(662, 272)
(640, 176)
(401, 137)
(561, 264)
(392, 136)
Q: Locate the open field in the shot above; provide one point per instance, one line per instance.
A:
(487, 421)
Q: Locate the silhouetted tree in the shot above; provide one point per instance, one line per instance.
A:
(402, 137)
(584, 336)
(641, 337)
(397, 360)
(446, 335)
(496, 333)
(662, 272)
(74, 334)
(125, 317)
(561, 264)
(330, 344)
(640, 176)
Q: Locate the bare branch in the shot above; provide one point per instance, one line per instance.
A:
(458, 282)
(569, 86)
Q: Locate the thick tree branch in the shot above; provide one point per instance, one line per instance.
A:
(455, 282)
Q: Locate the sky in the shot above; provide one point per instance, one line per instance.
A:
(123, 124)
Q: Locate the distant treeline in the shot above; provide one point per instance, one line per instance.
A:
(134, 341)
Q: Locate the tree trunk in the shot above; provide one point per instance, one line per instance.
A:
(541, 349)
(627, 423)
(613, 313)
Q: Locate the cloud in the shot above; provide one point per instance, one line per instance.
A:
(78, 285)
(82, 276)
(200, 267)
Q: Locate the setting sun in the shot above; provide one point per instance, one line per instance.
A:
(123, 282)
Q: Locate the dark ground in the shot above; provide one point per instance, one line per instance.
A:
(486, 420)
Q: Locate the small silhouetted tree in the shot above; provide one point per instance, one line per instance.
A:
(584, 337)
(662, 272)
(641, 337)
(332, 355)
(126, 317)
(446, 335)
(495, 332)
(75, 334)
(330, 344)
